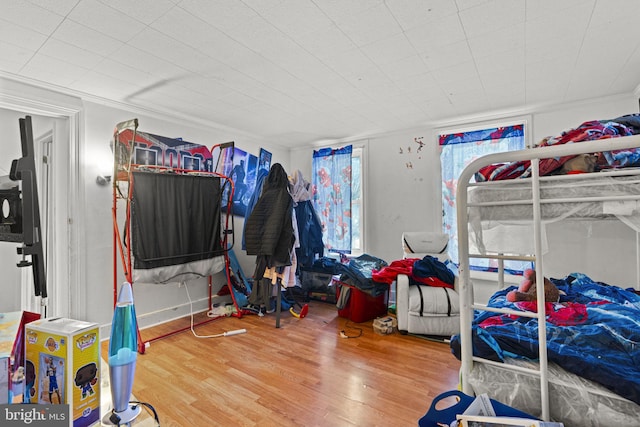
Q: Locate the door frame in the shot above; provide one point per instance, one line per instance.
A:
(67, 217)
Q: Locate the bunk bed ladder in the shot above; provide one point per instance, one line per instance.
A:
(467, 300)
(542, 322)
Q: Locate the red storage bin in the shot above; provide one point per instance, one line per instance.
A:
(362, 306)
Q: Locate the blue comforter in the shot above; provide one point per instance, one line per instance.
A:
(593, 332)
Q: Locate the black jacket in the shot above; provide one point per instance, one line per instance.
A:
(309, 233)
(269, 229)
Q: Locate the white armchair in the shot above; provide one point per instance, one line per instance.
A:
(423, 309)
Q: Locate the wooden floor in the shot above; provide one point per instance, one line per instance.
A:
(301, 374)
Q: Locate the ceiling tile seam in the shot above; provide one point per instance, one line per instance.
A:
(473, 58)
(364, 93)
(244, 74)
(107, 4)
(584, 36)
(20, 45)
(113, 57)
(160, 111)
(386, 74)
(124, 61)
(319, 59)
(618, 75)
(361, 51)
(117, 11)
(116, 58)
(34, 3)
(161, 114)
(421, 59)
(48, 36)
(526, 22)
(105, 34)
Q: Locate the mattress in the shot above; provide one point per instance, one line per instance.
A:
(574, 400)
(180, 272)
(592, 332)
(501, 211)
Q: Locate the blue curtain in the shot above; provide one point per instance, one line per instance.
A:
(331, 182)
(457, 150)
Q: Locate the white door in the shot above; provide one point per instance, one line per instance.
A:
(51, 172)
(30, 302)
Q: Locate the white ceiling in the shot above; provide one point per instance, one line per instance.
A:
(294, 72)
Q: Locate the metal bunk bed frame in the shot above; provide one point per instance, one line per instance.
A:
(122, 247)
(467, 305)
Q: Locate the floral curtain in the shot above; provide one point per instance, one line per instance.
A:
(332, 196)
(457, 150)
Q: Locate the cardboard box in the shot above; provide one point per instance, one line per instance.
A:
(385, 325)
(12, 365)
(65, 354)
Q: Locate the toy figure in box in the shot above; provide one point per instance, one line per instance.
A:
(12, 354)
(30, 380)
(86, 379)
(59, 348)
(50, 378)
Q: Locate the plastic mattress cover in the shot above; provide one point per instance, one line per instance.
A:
(180, 272)
(573, 400)
(507, 207)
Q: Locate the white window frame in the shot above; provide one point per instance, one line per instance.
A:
(359, 152)
(525, 120)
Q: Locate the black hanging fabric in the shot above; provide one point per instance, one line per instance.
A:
(269, 230)
(175, 219)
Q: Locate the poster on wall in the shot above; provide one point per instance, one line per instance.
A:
(264, 160)
(241, 167)
(156, 150)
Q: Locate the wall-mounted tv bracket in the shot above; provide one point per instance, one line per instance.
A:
(20, 210)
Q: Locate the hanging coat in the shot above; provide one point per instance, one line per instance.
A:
(269, 230)
(309, 225)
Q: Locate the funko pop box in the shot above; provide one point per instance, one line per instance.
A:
(12, 369)
(65, 354)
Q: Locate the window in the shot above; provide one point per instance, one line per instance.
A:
(338, 198)
(357, 222)
(457, 150)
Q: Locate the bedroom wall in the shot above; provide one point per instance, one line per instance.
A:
(154, 303)
(401, 187)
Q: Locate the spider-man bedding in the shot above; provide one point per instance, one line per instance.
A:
(594, 332)
(588, 131)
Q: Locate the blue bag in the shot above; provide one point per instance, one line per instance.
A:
(444, 417)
